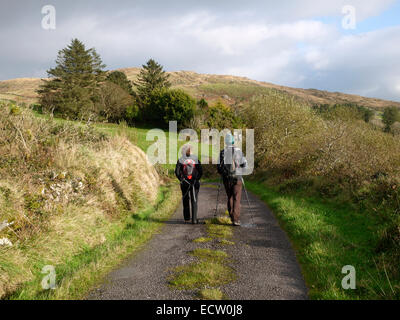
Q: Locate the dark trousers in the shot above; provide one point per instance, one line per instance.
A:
(233, 188)
(189, 199)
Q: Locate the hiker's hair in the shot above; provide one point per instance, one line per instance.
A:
(186, 150)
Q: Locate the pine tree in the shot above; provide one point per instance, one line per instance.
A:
(152, 77)
(74, 83)
(120, 79)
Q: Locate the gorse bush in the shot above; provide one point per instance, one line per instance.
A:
(220, 116)
(294, 140)
(335, 156)
(356, 152)
(288, 134)
(348, 112)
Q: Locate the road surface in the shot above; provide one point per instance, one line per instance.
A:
(263, 258)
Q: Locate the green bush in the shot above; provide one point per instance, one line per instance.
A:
(202, 104)
(131, 113)
(177, 106)
(220, 116)
(114, 103)
(166, 105)
(348, 112)
(289, 135)
(390, 117)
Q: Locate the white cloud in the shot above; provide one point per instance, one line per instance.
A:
(284, 42)
(292, 9)
(366, 63)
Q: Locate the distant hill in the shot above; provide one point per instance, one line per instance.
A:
(230, 89)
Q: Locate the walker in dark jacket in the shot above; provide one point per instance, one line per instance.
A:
(189, 171)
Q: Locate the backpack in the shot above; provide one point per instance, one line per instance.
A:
(189, 167)
(229, 169)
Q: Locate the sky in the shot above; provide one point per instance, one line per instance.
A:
(350, 46)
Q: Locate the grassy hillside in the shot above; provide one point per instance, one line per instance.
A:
(19, 90)
(73, 197)
(230, 89)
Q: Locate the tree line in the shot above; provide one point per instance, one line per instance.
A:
(79, 88)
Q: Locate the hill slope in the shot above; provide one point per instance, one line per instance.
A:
(230, 89)
(65, 189)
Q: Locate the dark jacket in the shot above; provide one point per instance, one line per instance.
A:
(198, 172)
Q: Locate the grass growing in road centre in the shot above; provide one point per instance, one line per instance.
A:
(212, 269)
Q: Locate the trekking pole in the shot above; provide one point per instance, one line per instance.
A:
(248, 202)
(187, 192)
(194, 211)
(219, 189)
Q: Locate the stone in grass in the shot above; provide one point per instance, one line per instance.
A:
(5, 242)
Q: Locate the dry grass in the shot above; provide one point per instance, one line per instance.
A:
(20, 90)
(63, 187)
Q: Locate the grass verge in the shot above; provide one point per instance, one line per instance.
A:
(77, 275)
(327, 237)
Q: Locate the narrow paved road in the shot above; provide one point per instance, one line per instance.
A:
(263, 258)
